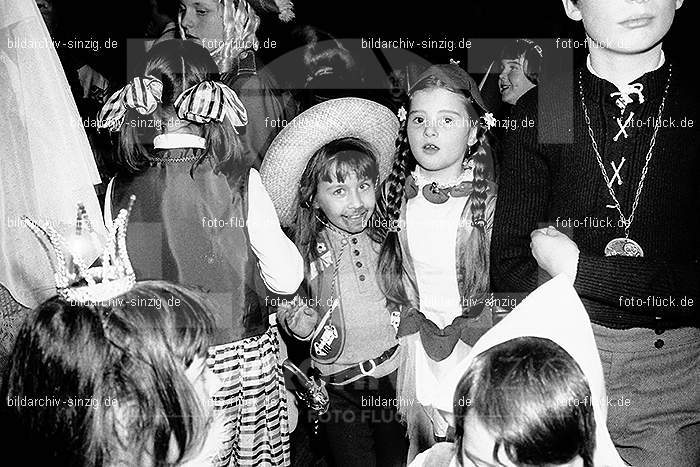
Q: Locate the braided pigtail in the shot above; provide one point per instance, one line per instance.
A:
(390, 257)
(476, 279)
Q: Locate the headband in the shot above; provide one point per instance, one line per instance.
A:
(455, 77)
(534, 46)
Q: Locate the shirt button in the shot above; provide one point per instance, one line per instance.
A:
(354, 241)
(659, 343)
(362, 277)
(358, 264)
(357, 252)
(658, 332)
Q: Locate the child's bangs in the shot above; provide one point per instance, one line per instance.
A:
(348, 163)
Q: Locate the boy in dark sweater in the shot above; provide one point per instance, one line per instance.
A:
(617, 211)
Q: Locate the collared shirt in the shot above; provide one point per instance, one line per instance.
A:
(368, 328)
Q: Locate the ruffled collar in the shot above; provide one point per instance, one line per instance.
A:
(438, 193)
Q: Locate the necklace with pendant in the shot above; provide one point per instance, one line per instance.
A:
(624, 246)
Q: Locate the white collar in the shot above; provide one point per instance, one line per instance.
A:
(589, 65)
(179, 140)
(421, 176)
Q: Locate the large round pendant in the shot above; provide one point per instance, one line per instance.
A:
(623, 247)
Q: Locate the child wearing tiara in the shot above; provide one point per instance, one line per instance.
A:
(205, 219)
(436, 265)
(336, 153)
(109, 372)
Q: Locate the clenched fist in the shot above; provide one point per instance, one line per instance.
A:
(555, 252)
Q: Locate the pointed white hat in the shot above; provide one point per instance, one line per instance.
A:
(555, 312)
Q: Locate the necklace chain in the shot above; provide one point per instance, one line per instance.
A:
(627, 221)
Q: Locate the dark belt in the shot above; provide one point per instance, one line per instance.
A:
(365, 368)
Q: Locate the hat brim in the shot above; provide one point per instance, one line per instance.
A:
(309, 131)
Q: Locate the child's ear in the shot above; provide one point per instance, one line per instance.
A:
(471, 136)
(679, 3)
(572, 10)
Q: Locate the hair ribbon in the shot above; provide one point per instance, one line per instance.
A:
(211, 100)
(141, 93)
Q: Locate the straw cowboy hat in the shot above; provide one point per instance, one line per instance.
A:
(294, 146)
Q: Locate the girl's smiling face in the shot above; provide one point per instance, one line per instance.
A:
(512, 81)
(440, 132)
(203, 19)
(349, 203)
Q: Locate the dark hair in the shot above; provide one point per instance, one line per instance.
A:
(331, 162)
(476, 270)
(179, 65)
(530, 52)
(324, 50)
(533, 397)
(129, 358)
(330, 70)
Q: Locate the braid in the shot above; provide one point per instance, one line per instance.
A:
(478, 196)
(394, 185)
(477, 268)
(390, 257)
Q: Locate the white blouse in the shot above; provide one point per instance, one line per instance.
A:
(281, 266)
(432, 241)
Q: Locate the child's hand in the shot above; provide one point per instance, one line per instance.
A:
(555, 252)
(300, 319)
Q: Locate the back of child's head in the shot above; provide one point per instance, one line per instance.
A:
(323, 50)
(333, 162)
(329, 68)
(111, 378)
(530, 52)
(454, 79)
(533, 398)
(179, 65)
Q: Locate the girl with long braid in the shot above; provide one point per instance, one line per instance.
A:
(434, 264)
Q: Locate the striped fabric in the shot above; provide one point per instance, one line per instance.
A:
(252, 402)
(142, 94)
(211, 100)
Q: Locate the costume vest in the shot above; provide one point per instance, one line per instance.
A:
(193, 230)
(475, 319)
(328, 339)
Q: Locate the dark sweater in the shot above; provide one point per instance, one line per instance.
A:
(541, 183)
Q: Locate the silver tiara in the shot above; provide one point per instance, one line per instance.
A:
(78, 281)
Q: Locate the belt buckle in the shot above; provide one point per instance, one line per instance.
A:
(369, 372)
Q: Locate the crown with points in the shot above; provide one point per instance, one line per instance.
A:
(78, 281)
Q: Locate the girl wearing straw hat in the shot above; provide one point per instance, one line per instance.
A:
(323, 172)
